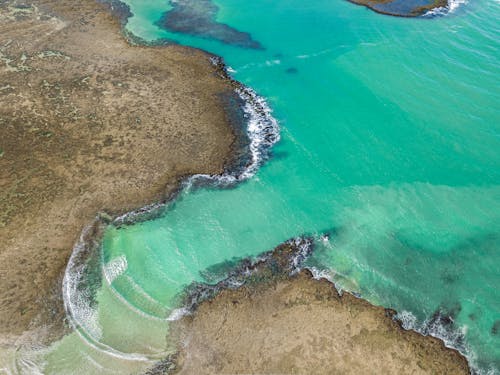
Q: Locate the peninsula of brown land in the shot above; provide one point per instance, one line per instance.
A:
(89, 123)
(281, 324)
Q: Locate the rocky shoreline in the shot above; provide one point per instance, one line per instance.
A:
(271, 316)
(90, 123)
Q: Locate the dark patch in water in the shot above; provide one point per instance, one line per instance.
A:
(454, 309)
(330, 233)
(277, 155)
(197, 17)
(220, 270)
(292, 70)
(449, 276)
(445, 316)
(487, 244)
(472, 317)
(495, 328)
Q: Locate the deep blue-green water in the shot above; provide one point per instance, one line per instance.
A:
(390, 143)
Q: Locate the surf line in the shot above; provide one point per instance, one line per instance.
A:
(79, 297)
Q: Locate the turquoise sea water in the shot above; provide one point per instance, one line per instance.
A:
(390, 142)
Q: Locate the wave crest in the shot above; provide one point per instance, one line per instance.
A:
(452, 6)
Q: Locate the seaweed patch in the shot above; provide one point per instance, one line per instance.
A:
(199, 18)
(495, 328)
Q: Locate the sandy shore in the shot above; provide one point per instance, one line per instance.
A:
(281, 324)
(89, 123)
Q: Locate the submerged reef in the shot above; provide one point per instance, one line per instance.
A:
(402, 8)
(198, 18)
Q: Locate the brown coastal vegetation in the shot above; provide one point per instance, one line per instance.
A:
(89, 123)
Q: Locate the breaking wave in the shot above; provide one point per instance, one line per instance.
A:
(452, 6)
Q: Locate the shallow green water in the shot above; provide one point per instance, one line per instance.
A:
(390, 142)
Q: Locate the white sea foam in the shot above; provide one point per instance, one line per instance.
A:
(319, 53)
(321, 274)
(177, 314)
(452, 337)
(304, 250)
(327, 275)
(146, 297)
(28, 365)
(262, 131)
(115, 268)
(407, 319)
(272, 62)
(452, 6)
(77, 300)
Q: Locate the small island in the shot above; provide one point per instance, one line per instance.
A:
(402, 8)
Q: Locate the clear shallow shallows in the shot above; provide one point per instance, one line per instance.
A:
(390, 142)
